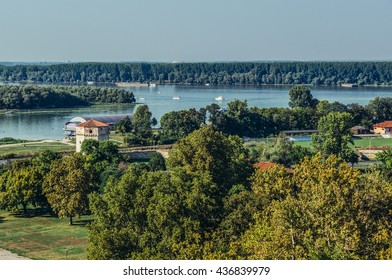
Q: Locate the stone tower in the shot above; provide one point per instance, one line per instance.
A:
(91, 129)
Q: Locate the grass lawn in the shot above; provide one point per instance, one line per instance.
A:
(374, 142)
(378, 142)
(306, 144)
(34, 147)
(42, 236)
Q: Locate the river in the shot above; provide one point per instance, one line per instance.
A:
(48, 124)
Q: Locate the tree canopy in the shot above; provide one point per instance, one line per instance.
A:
(34, 97)
(334, 136)
(325, 211)
(21, 185)
(300, 96)
(68, 184)
(207, 150)
(229, 73)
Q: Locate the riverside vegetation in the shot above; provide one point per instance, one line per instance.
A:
(206, 201)
(36, 97)
(231, 73)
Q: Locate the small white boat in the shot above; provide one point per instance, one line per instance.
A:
(219, 98)
(349, 85)
(176, 97)
(152, 85)
(141, 98)
(207, 84)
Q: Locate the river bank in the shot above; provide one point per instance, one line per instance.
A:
(49, 124)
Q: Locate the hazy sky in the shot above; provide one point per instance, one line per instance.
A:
(195, 30)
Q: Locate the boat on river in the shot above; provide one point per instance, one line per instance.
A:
(219, 98)
(126, 84)
(349, 85)
(176, 98)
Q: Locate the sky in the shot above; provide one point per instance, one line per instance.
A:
(195, 30)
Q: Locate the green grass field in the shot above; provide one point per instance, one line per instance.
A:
(373, 142)
(378, 142)
(43, 236)
(34, 147)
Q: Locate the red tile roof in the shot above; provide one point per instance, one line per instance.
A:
(265, 165)
(92, 123)
(383, 124)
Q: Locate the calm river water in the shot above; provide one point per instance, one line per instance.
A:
(48, 124)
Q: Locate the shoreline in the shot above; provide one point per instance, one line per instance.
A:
(145, 84)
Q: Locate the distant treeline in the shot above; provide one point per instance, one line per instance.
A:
(33, 97)
(233, 73)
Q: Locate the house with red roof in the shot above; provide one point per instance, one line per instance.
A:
(383, 127)
(91, 129)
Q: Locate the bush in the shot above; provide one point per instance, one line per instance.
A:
(8, 156)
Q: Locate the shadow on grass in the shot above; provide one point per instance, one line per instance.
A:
(36, 212)
(1, 220)
(82, 222)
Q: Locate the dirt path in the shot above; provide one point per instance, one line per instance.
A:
(7, 255)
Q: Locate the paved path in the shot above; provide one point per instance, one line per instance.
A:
(7, 255)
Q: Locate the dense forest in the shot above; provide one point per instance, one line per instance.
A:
(207, 202)
(239, 119)
(230, 73)
(33, 97)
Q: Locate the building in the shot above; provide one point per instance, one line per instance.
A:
(383, 127)
(70, 126)
(356, 130)
(91, 129)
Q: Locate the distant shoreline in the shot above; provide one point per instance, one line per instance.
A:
(138, 84)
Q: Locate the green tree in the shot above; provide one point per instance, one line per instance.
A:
(386, 158)
(157, 162)
(323, 108)
(283, 152)
(99, 151)
(300, 96)
(45, 159)
(242, 209)
(360, 114)
(216, 116)
(326, 210)
(68, 184)
(142, 122)
(380, 108)
(22, 186)
(334, 136)
(207, 150)
(124, 126)
(386, 167)
(90, 147)
(154, 215)
(178, 124)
